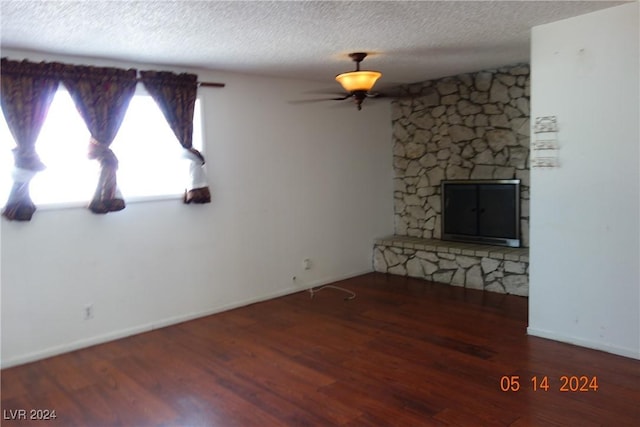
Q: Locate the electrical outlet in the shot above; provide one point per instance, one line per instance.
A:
(306, 264)
(88, 312)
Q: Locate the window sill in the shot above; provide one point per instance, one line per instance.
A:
(127, 200)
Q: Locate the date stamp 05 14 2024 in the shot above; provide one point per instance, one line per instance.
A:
(564, 384)
(29, 414)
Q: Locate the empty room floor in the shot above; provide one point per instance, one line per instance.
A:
(404, 352)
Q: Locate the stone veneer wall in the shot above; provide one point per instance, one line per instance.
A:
(470, 126)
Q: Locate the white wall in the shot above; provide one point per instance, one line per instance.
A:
(585, 279)
(288, 182)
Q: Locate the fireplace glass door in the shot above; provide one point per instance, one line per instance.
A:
(481, 211)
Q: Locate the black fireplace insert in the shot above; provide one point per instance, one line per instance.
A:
(482, 211)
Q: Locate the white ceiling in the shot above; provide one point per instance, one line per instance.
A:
(408, 41)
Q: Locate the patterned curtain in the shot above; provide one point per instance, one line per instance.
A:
(27, 91)
(102, 96)
(176, 94)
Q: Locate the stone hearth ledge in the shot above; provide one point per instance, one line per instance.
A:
(475, 266)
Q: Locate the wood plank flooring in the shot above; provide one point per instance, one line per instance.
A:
(405, 352)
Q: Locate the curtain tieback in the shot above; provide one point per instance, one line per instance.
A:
(102, 153)
(20, 175)
(27, 160)
(193, 154)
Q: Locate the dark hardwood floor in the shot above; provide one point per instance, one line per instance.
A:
(404, 353)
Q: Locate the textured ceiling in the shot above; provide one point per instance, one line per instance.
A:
(409, 41)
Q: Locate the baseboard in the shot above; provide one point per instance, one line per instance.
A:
(326, 281)
(162, 323)
(620, 351)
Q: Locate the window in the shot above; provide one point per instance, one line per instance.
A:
(149, 155)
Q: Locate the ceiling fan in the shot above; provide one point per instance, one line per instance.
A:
(357, 83)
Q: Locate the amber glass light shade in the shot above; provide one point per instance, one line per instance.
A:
(358, 80)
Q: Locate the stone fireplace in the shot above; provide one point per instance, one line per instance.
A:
(472, 126)
(466, 127)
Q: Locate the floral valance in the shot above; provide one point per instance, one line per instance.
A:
(27, 68)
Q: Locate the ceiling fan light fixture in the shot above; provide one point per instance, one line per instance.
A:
(358, 80)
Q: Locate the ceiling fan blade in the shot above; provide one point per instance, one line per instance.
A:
(308, 101)
(325, 92)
